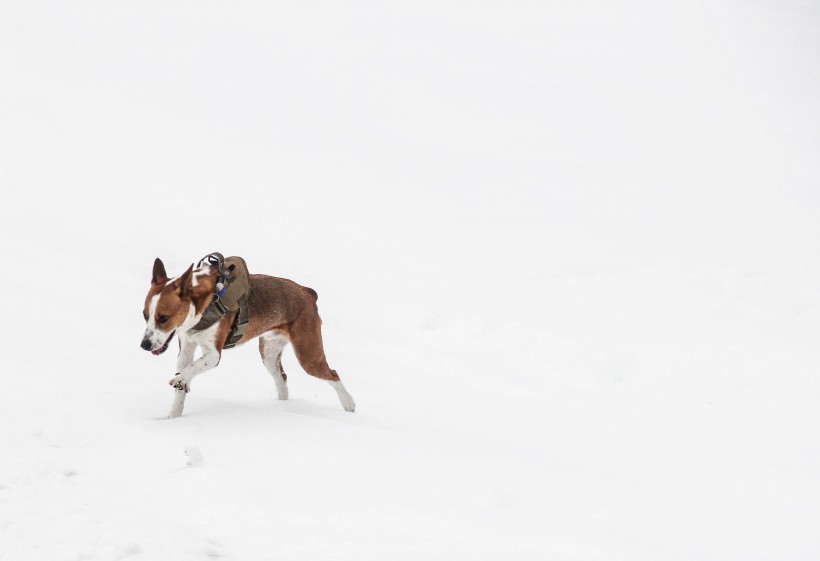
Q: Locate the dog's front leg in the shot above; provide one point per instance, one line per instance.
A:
(184, 358)
(209, 359)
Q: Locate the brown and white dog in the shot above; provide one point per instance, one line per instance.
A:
(280, 312)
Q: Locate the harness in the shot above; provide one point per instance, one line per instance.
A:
(230, 296)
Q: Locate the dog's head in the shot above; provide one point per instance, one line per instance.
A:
(168, 306)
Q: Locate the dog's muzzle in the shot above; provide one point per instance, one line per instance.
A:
(146, 344)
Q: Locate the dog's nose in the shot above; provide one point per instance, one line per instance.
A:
(146, 344)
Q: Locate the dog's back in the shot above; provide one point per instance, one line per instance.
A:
(275, 303)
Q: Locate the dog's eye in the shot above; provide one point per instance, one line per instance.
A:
(163, 319)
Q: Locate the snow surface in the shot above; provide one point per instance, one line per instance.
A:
(567, 253)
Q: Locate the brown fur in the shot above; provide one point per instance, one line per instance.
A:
(281, 305)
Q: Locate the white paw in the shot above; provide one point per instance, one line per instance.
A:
(347, 403)
(180, 383)
(345, 398)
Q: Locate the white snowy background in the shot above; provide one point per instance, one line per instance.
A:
(567, 256)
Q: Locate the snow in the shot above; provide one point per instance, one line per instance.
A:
(567, 257)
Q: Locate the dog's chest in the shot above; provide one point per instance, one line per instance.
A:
(201, 337)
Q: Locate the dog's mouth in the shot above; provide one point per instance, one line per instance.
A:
(164, 348)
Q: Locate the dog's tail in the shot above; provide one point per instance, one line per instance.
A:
(312, 293)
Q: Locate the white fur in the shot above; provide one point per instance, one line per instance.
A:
(152, 311)
(178, 405)
(345, 398)
(187, 348)
(153, 333)
(200, 272)
(187, 367)
(274, 345)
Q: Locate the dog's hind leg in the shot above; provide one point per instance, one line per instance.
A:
(271, 345)
(344, 397)
(306, 336)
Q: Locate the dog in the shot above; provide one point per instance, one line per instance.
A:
(279, 311)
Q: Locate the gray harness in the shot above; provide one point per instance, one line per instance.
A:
(230, 296)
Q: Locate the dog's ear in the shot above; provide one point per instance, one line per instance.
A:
(185, 282)
(159, 276)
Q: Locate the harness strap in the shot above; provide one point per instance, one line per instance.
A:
(240, 324)
(216, 310)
